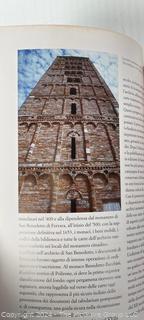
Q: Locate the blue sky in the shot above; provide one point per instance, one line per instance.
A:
(34, 62)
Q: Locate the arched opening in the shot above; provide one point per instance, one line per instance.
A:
(100, 181)
(28, 194)
(45, 189)
(73, 197)
(72, 146)
(82, 183)
(29, 182)
(36, 195)
(114, 181)
(112, 200)
(64, 185)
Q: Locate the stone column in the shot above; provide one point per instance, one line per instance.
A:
(58, 145)
(54, 192)
(93, 197)
(111, 145)
(33, 142)
(87, 144)
(21, 180)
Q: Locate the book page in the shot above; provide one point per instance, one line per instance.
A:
(72, 174)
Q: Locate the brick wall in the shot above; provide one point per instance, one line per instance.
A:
(50, 180)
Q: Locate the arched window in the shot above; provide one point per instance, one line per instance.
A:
(73, 108)
(73, 91)
(73, 148)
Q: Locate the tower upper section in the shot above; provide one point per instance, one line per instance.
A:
(71, 86)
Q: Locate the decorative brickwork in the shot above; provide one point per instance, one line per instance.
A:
(69, 142)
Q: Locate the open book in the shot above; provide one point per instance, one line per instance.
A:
(72, 178)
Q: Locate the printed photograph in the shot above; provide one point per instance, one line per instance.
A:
(68, 131)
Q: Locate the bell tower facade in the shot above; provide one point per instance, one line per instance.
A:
(69, 142)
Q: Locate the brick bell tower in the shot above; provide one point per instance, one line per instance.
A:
(69, 142)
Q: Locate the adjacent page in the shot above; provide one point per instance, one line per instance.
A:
(72, 196)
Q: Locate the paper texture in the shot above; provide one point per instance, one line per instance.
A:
(82, 264)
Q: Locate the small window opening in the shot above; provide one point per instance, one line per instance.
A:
(73, 91)
(73, 205)
(74, 80)
(73, 148)
(73, 108)
(69, 79)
